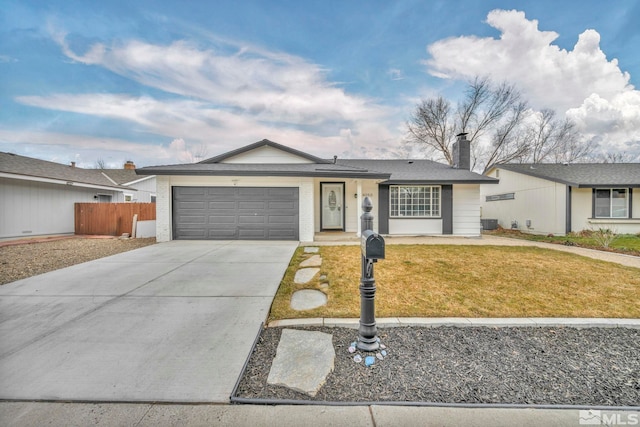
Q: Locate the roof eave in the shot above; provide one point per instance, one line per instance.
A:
(441, 181)
(264, 143)
(311, 174)
(63, 182)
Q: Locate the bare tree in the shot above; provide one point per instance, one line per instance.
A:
(508, 144)
(551, 139)
(623, 157)
(434, 124)
(101, 164)
(498, 117)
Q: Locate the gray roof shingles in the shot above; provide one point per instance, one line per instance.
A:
(20, 165)
(263, 169)
(585, 175)
(423, 171)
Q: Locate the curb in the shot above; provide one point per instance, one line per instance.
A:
(434, 322)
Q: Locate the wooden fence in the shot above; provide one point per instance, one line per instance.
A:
(110, 219)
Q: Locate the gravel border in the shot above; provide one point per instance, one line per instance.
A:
(26, 258)
(471, 365)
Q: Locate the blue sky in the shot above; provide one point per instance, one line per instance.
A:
(172, 82)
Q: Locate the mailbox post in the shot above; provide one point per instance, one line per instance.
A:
(372, 245)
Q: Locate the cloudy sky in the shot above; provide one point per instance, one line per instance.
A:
(161, 82)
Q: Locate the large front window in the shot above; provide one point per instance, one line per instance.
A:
(612, 203)
(415, 201)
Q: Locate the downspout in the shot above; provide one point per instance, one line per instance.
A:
(567, 227)
(359, 205)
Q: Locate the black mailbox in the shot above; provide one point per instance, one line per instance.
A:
(372, 245)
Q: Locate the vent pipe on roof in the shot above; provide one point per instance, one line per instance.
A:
(335, 159)
(462, 152)
(73, 164)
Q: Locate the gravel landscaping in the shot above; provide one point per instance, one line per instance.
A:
(19, 261)
(543, 366)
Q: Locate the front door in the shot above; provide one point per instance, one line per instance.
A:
(332, 205)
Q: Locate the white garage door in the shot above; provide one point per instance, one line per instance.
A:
(235, 213)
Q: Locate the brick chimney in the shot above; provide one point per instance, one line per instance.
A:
(462, 152)
(129, 165)
(73, 164)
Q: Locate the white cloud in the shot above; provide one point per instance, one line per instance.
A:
(581, 82)
(268, 85)
(227, 96)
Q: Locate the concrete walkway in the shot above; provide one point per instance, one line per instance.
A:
(172, 322)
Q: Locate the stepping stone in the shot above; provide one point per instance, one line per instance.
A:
(304, 275)
(324, 285)
(311, 250)
(307, 299)
(314, 261)
(303, 361)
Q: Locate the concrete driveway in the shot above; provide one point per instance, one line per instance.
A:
(172, 322)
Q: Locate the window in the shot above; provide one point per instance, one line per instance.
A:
(612, 203)
(414, 201)
(128, 197)
(103, 198)
(153, 198)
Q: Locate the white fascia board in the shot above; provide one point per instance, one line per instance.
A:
(59, 181)
(139, 180)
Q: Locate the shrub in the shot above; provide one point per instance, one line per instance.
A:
(604, 236)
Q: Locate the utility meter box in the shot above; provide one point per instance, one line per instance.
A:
(372, 245)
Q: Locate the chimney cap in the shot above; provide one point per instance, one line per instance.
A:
(462, 134)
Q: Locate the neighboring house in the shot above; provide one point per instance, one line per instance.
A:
(561, 198)
(37, 197)
(140, 189)
(269, 191)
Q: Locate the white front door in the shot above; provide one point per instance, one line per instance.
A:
(332, 205)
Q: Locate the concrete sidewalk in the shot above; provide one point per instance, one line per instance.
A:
(25, 414)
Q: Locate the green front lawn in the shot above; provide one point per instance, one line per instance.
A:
(468, 281)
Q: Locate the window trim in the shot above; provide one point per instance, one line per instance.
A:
(611, 190)
(430, 187)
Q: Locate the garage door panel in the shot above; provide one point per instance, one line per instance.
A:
(221, 219)
(193, 220)
(283, 191)
(260, 205)
(245, 192)
(195, 233)
(256, 213)
(192, 191)
(280, 219)
(281, 205)
(216, 204)
(222, 234)
(218, 191)
(243, 220)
